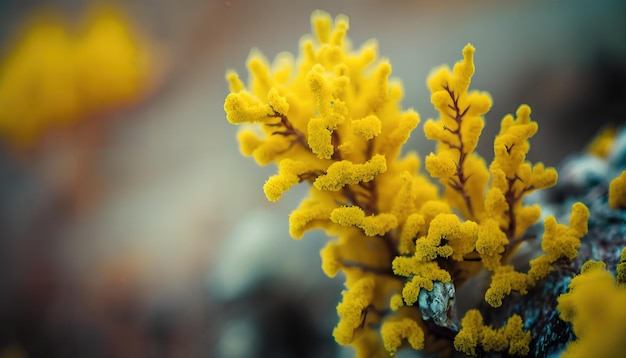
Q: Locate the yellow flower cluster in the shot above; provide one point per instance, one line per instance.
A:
(332, 117)
(594, 306)
(474, 333)
(462, 173)
(336, 123)
(497, 218)
(559, 241)
(53, 77)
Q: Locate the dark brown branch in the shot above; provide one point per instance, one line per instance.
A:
(460, 173)
(290, 130)
(512, 198)
(334, 139)
(369, 208)
(515, 242)
(373, 309)
(309, 176)
(391, 246)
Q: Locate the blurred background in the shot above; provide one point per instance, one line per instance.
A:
(130, 226)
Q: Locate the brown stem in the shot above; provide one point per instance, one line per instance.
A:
(290, 130)
(512, 199)
(373, 309)
(460, 173)
(515, 242)
(310, 176)
(369, 207)
(334, 139)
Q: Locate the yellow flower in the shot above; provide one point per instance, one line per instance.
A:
(601, 145)
(351, 309)
(53, 77)
(474, 334)
(594, 307)
(337, 124)
(617, 191)
(516, 177)
(462, 173)
(394, 331)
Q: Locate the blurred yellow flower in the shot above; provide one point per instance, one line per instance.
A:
(53, 76)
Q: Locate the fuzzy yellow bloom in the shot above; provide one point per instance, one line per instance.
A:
(371, 225)
(469, 336)
(423, 275)
(592, 265)
(111, 62)
(312, 213)
(243, 108)
(617, 191)
(396, 302)
(562, 241)
(491, 243)
(511, 145)
(559, 241)
(355, 302)
(394, 331)
(331, 259)
(404, 203)
(519, 340)
(514, 177)
(54, 76)
(368, 127)
(493, 340)
(474, 334)
(412, 226)
(504, 280)
(340, 174)
(601, 145)
(289, 174)
(594, 307)
(540, 267)
(443, 227)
